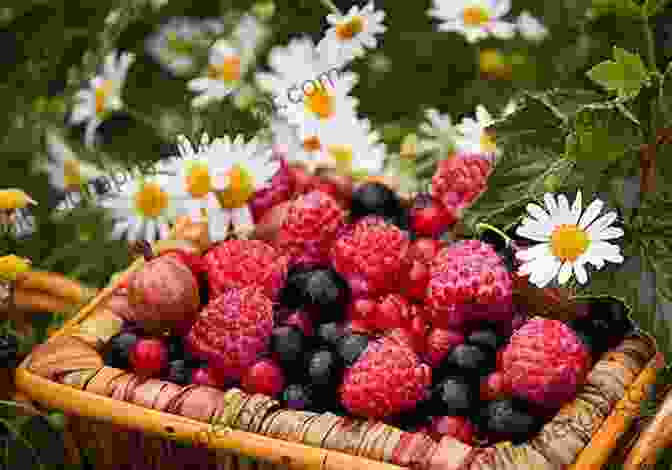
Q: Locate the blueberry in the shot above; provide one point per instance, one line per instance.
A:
(375, 199)
(118, 348)
(324, 369)
(292, 294)
(350, 347)
(329, 333)
(326, 293)
(508, 419)
(297, 397)
(472, 361)
(289, 343)
(9, 350)
(605, 325)
(179, 372)
(486, 339)
(455, 396)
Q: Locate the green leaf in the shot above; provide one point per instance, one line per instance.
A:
(653, 7)
(616, 7)
(625, 75)
(602, 135)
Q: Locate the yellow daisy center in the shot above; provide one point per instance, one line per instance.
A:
(475, 16)
(312, 144)
(151, 200)
(568, 242)
(488, 143)
(240, 189)
(72, 177)
(321, 103)
(11, 265)
(102, 93)
(198, 180)
(343, 156)
(228, 71)
(350, 29)
(12, 199)
(491, 61)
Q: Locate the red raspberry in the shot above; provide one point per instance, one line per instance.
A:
(429, 218)
(148, 357)
(310, 228)
(369, 256)
(244, 263)
(279, 190)
(207, 376)
(415, 271)
(264, 377)
(194, 262)
(392, 311)
(495, 385)
(439, 343)
(232, 330)
(454, 426)
(459, 180)
(468, 281)
(386, 380)
(546, 362)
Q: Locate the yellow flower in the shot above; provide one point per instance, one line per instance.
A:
(13, 199)
(11, 265)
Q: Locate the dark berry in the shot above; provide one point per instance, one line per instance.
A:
(203, 288)
(472, 361)
(508, 419)
(429, 218)
(178, 372)
(149, 356)
(292, 294)
(329, 333)
(501, 244)
(326, 295)
(486, 339)
(118, 348)
(350, 347)
(288, 343)
(374, 199)
(456, 396)
(176, 349)
(9, 349)
(605, 325)
(324, 369)
(297, 397)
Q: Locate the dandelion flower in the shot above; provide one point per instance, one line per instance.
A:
(350, 35)
(474, 19)
(569, 238)
(103, 96)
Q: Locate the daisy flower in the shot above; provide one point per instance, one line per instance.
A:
(531, 28)
(66, 172)
(175, 44)
(350, 34)
(249, 33)
(439, 133)
(142, 209)
(226, 67)
(103, 96)
(474, 136)
(306, 150)
(569, 239)
(352, 148)
(13, 206)
(474, 19)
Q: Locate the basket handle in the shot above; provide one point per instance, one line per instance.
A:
(656, 436)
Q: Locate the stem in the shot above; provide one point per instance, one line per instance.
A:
(651, 59)
(330, 4)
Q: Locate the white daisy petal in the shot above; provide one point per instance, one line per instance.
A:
(503, 29)
(537, 212)
(551, 205)
(565, 272)
(603, 222)
(537, 251)
(564, 213)
(609, 233)
(591, 213)
(535, 231)
(218, 223)
(545, 273)
(580, 272)
(607, 251)
(576, 208)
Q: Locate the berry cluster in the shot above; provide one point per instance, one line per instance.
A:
(350, 308)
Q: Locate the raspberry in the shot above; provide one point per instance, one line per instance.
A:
(459, 180)
(429, 217)
(387, 379)
(194, 262)
(279, 190)
(546, 362)
(468, 281)
(245, 263)
(494, 386)
(310, 228)
(415, 271)
(264, 377)
(370, 256)
(233, 330)
(208, 377)
(439, 343)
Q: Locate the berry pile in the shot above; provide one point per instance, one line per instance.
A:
(356, 306)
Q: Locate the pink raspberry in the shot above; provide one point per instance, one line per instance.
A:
(459, 180)
(439, 344)
(279, 190)
(233, 330)
(468, 281)
(545, 362)
(243, 263)
(310, 228)
(370, 256)
(386, 380)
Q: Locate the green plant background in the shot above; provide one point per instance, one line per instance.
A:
(50, 46)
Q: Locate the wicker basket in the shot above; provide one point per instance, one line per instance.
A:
(132, 422)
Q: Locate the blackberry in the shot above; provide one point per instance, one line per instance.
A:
(486, 339)
(472, 361)
(605, 325)
(375, 199)
(350, 347)
(118, 349)
(9, 351)
(289, 344)
(455, 396)
(324, 369)
(179, 372)
(323, 292)
(292, 294)
(297, 397)
(329, 333)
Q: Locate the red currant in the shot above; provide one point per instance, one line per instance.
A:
(430, 219)
(264, 377)
(149, 357)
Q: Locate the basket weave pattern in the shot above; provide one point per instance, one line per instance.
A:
(68, 372)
